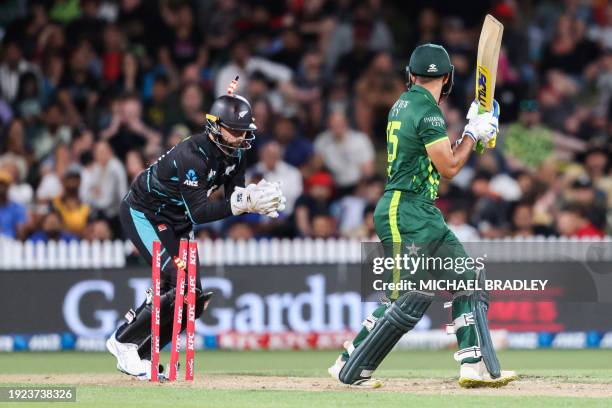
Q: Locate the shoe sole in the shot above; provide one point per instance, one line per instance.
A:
(496, 383)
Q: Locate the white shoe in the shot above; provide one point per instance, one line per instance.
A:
(334, 371)
(473, 375)
(128, 359)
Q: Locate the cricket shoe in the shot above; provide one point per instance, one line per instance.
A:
(128, 359)
(476, 375)
(368, 383)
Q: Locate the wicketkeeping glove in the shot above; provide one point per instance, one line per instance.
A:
(263, 198)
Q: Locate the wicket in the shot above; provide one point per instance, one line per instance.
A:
(186, 259)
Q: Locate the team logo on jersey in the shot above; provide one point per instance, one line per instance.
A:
(211, 174)
(229, 169)
(191, 178)
(162, 227)
(432, 68)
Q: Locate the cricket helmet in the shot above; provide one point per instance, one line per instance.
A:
(431, 60)
(231, 112)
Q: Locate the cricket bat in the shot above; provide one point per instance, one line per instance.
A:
(486, 68)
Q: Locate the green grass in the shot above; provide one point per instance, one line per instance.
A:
(576, 366)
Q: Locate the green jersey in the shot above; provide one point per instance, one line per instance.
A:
(415, 122)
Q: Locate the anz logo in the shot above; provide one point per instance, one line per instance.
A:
(191, 178)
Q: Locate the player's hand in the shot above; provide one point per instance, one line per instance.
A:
(281, 203)
(482, 126)
(263, 198)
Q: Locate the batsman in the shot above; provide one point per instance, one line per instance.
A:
(419, 153)
(169, 198)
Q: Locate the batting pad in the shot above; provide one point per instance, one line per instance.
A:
(398, 319)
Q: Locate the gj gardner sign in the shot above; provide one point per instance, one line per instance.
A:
(270, 299)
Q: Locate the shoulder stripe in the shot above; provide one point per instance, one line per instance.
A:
(445, 137)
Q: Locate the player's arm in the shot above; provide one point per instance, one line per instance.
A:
(432, 131)
(447, 160)
(238, 180)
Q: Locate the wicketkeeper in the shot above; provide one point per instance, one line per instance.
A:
(170, 197)
(419, 152)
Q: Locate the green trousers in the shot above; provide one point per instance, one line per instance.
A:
(408, 223)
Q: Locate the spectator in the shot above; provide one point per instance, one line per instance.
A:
(316, 200)
(376, 92)
(51, 132)
(240, 231)
(593, 201)
(184, 45)
(51, 229)
(573, 222)
(350, 209)
(274, 169)
(28, 102)
(88, 25)
(19, 191)
(177, 133)
(73, 211)
(597, 166)
(126, 130)
(79, 88)
(13, 216)
(190, 111)
(366, 230)
(134, 164)
(353, 41)
(243, 64)
(323, 226)
(457, 222)
(107, 183)
(347, 153)
(156, 107)
(489, 210)
(297, 150)
(528, 143)
(52, 170)
(12, 67)
(220, 24)
(98, 230)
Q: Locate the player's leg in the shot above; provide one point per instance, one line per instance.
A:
(479, 363)
(131, 342)
(389, 322)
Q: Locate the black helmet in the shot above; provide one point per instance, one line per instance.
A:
(231, 112)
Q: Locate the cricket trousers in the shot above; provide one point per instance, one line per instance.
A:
(409, 223)
(142, 231)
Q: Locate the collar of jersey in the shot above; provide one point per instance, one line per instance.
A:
(211, 148)
(419, 89)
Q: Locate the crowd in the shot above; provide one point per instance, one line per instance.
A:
(93, 91)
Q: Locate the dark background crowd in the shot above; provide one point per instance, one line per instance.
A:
(93, 91)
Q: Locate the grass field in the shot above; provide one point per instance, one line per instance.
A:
(549, 378)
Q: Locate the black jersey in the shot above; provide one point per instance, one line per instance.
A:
(175, 189)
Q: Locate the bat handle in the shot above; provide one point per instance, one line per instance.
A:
(480, 147)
